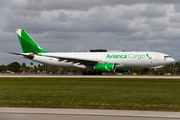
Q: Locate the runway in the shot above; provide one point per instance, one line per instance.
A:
(92, 76)
(7, 113)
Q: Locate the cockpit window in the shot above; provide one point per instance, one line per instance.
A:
(166, 56)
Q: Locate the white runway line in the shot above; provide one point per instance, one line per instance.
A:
(92, 76)
(91, 112)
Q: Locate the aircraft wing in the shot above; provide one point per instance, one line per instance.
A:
(80, 61)
(74, 60)
(29, 56)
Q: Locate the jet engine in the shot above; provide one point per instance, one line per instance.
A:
(109, 67)
(105, 67)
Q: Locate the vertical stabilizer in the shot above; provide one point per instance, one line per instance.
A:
(28, 45)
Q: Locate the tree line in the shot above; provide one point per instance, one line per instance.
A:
(16, 67)
(35, 69)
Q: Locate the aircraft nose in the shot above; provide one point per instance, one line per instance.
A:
(172, 60)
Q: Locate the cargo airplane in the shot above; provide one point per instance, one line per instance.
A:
(99, 61)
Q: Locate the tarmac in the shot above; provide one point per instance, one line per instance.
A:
(7, 113)
(92, 76)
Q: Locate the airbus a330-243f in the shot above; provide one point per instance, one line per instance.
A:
(99, 61)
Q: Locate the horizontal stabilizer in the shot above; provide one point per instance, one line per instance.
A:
(29, 56)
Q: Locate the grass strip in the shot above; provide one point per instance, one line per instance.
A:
(91, 93)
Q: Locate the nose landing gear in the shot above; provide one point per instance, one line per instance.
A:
(155, 73)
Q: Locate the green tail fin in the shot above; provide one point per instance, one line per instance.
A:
(28, 45)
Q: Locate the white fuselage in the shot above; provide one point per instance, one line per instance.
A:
(150, 60)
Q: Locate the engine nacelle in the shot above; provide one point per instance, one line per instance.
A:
(105, 67)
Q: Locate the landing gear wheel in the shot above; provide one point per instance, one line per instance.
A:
(84, 73)
(99, 73)
(154, 73)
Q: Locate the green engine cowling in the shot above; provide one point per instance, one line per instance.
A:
(105, 67)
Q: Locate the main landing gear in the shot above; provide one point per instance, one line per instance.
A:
(155, 73)
(92, 73)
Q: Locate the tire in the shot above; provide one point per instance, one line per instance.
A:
(154, 73)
